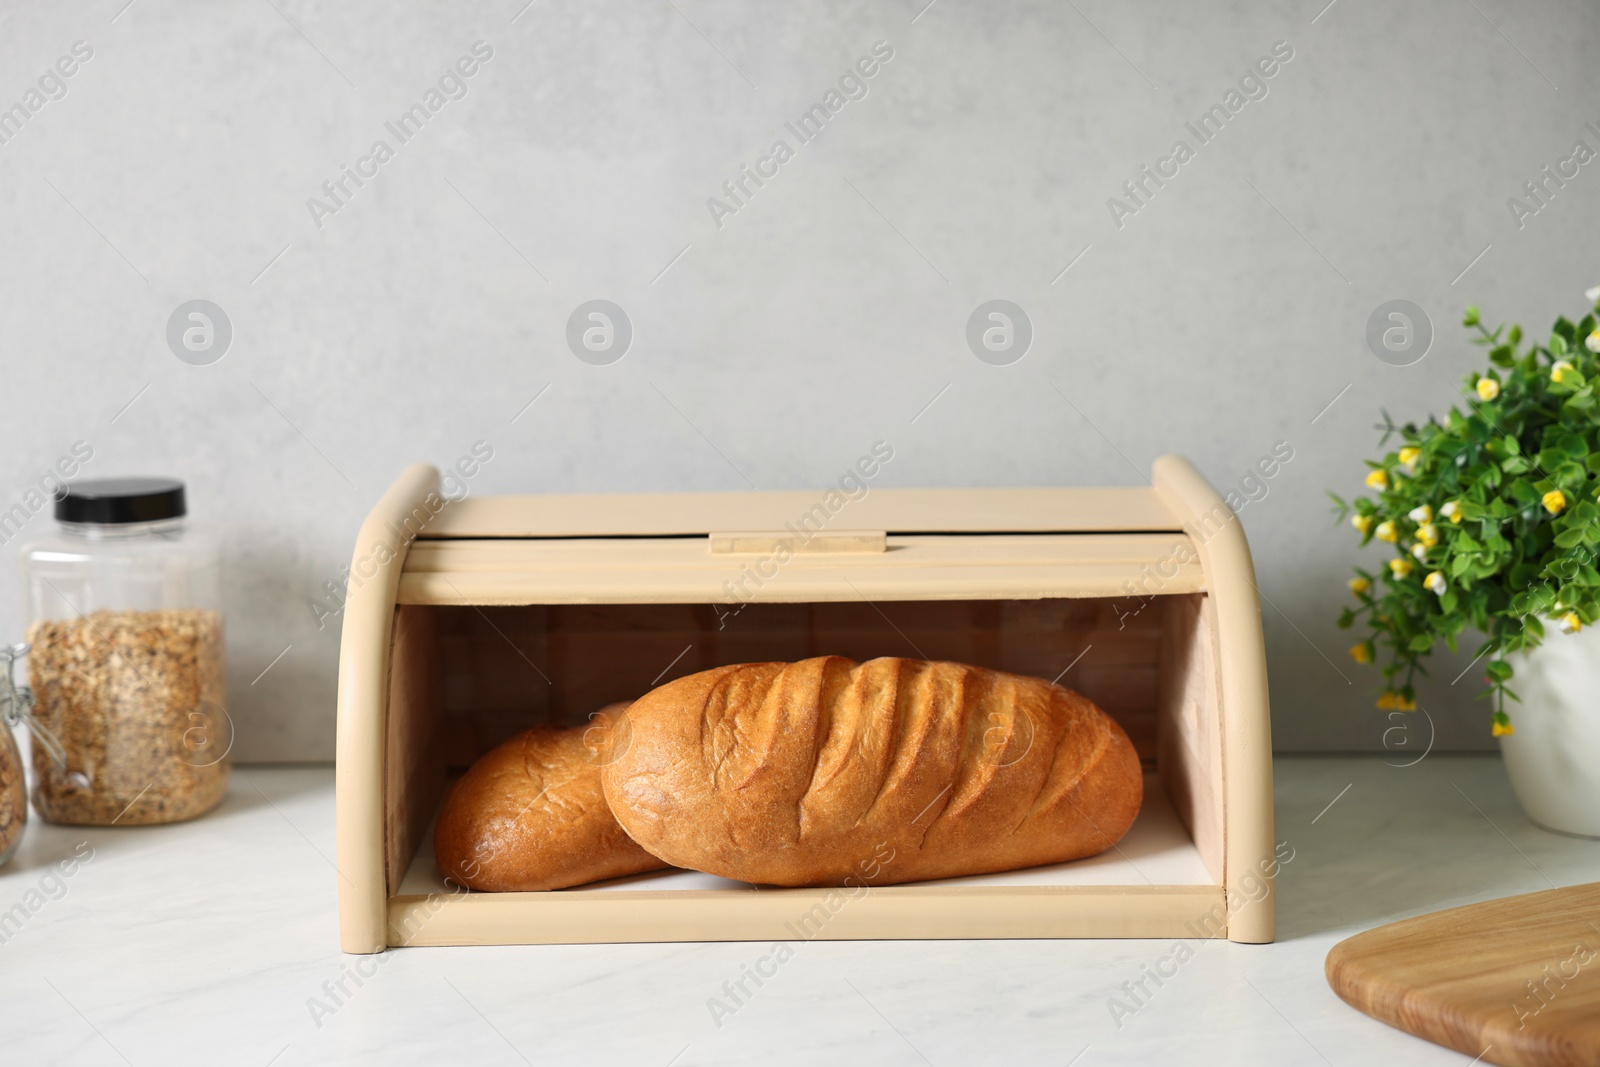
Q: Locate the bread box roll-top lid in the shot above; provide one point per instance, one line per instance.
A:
(894, 511)
(827, 544)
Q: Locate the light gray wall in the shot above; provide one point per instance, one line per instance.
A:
(423, 315)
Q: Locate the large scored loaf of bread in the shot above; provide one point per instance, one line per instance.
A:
(829, 772)
(529, 814)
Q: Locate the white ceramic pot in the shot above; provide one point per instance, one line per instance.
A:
(1553, 755)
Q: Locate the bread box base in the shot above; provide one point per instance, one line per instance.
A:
(506, 612)
(1153, 884)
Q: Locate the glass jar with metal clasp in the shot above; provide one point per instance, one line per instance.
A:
(16, 709)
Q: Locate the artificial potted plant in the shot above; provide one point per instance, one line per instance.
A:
(1494, 523)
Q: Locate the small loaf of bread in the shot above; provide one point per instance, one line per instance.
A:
(829, 772)
(529, 814)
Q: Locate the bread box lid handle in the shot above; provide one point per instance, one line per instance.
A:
(761, 542)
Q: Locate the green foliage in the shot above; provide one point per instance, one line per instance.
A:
(1492, 513)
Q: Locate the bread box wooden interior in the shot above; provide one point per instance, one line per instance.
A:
(468, 622)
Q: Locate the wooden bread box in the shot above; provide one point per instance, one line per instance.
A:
(468, 622)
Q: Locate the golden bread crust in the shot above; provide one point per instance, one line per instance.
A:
(829, 772)
(530, 814)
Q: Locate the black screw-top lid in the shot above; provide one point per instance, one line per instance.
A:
(109, 501)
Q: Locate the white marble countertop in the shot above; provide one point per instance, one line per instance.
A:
(215, 942)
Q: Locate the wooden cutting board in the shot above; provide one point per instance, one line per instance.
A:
(1515, 981)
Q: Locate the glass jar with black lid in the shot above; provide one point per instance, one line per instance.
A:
(126, 661)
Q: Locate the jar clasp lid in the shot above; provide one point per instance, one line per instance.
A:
(16, 704)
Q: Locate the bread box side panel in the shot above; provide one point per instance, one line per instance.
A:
(1188, 736)
(1245, 725)
(414, 751)
(364, 649)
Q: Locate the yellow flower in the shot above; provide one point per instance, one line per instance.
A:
(1420, 551)
(1404, 703)
(1409, 456)
(1554, 501)
(1501, 729)
(1358, 586)
(1488, 389)
(1400, 567)
(1428, 534)
(1377, 480)
(1386, 701)
(1559, 370)
(1362, 523)
(1570, 623)
(1423, 513)
(1451, 511)
(1436, 583)
(1387, 532)
(1592, 342)
(1361, 653)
